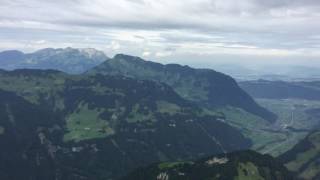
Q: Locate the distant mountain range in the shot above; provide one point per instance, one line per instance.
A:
(282, 90)
(68, 60)
(206, 87)
(77, 61)
(271, 72)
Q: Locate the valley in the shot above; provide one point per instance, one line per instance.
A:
(159, 90)
(293, 103)
(137, 113)
(293, 124)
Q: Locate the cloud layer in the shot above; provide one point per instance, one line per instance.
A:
(279, 29)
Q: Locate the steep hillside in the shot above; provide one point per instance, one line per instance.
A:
(303, 159)
(206, 87)
(25, 153)
(72, 126)
(234, 166)
(69, 60)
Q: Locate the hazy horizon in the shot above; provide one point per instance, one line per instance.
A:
(190, 32)
(159, 89)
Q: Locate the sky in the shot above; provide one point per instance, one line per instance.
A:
(196, 32)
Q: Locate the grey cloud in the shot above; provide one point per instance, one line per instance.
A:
(287, 3)
(288, 25)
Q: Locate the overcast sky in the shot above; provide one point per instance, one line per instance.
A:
(186, 31)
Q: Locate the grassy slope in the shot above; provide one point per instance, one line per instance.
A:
(248, 171)
(303, 158)
(246, 165)
(33, 88)
(313, 168)
(85, 123)
(2, 130)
